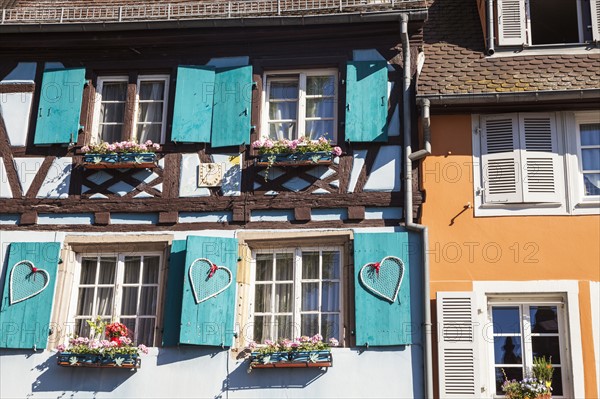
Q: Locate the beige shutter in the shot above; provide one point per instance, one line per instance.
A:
(511, 22)
(457, 346)
(595, 11)
(500, 159)
(542, 171)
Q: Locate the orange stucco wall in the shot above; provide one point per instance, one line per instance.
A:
(465, 248)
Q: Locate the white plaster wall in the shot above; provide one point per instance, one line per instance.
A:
(57, 181)
(15, 109)
(27, 169)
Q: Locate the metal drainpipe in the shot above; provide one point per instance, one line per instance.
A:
(410, 225)
(490, 27)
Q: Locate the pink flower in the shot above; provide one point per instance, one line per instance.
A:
(148, 143)
(304, 338)
(125, 340)
(61, 348)
(252, 345)
(257, 144)
(85, 148)
(268, 144)
(333, 342)
(111, 147)
(316, 338)
(337, 151)
(143, 147)
(143, 348)
(293, 144)
(322, 139)
(156, 146)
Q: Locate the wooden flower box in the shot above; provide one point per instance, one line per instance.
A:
(120, 161)
(291, 359)
(67, 359)
(295, 159)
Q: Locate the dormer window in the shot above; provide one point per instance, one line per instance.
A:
(547, 22)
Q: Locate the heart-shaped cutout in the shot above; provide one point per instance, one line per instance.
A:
(383, 278)
(26, 281)
(208, 280)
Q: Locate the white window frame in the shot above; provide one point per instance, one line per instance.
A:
(524, 303)
(581, 204)
(284, 75)
(132, 134)
(98, 104)
(513, 209)
(573, 373)
(118, 287)
(142, 78)
(297, 287)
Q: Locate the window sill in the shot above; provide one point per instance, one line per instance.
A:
(549, 49)
(521, 209)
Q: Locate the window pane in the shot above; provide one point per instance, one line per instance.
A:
(148, 298)
(507, 350)
(512, 373)
(330, 326)
(284, 267)
(284, 326)
(262, 298)
(104, 302)
(319, 107)
(152, 90)
(130, 324)
(85, 302)
(284, 90)
(88, 271)
(148, 132)
(145, 333)
(591, 182)
(316, 129)
(547, 347)
(310, 324)
(132, 269)
(547, 15)
(557, 387)
(264, 267)
(331, 265)
(590, 159)
(150, 270)
(590, 133)
(320, 85)
(543, 319)
(310, 296)
(114, 91)
(330, 297)
(283, 110)
(111, 133)
(262, 329)
(107, 270)
(150, 112)
(283, 130)
(82, 328)
(129, 301)
(310, 265)
(112, 112)
(283, 297)
(506, 320)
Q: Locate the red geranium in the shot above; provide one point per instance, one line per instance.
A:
(116, 330)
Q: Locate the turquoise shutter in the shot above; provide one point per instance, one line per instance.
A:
(174, 295)
(60, 106)
(379, 322)
(232, 106)
(366, 101)
(25, 324)
(192, 116)
(209, 322)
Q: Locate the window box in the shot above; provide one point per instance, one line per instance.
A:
(120, 161)
(68, 359)
(296, 159)
(291, 359)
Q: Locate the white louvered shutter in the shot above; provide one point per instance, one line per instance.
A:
(511, 22)
(542, 171)
(500, 159)
(457, 348)
(595, 11)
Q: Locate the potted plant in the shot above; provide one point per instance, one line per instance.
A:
(301, 151)
(299, 352)
(124, 154)
(117, 351)
(538, 385)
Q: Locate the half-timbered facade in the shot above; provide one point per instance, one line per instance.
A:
(293, 240)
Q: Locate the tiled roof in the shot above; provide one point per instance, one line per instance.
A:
(455, 62)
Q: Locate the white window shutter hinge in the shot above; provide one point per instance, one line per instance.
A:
(477, 130)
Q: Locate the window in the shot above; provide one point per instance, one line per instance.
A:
(522, 332)
(300, 104)
(535, 22)
(118, 287)
(588, 131)
(150, 105)
(297, 291)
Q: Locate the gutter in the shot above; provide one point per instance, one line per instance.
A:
(409, 157)
(511, 97)
(299, 20)
(490, 27)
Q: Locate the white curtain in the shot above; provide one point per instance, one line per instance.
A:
(112, 111)
(151, 96)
